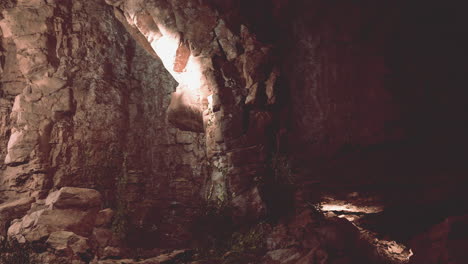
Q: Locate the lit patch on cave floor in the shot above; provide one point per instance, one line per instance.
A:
(396, 252)
(348, 207)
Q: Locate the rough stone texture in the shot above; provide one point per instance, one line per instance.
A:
(311, 238)
(215, 81)
(82, 105)
(165, 258)
(13, 210)
(70, 197)
(105, 217)
(69, 209)
(445, 242)
(68, 243)
(364, 101)
(102, 236)
(170, 257)
(368, 115)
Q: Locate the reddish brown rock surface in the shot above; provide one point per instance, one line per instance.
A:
(89, 111)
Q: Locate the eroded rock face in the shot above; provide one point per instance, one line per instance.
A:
(70, 197)
(82, 105)
(79, 117)
(68, 209)
(69, 224)
(68, 243)
(310, 238)
(183, 112)
(444, 242)
(220, 70)
(13, 210)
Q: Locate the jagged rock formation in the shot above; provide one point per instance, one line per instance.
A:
(76, 114)
(127, 126)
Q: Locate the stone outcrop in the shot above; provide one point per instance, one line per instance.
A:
(71, 210)
(219, 73)
(13, 210)
(75, 111)
(68, 243)
(307, 238)
(64, 223)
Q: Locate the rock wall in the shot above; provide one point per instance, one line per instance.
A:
(376, 114)
(84, 106)
(226, 81)
(374, 99)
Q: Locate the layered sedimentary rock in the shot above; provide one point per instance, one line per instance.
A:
(224, 74)
(84, 106)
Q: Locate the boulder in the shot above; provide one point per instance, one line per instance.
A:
(64, 242)
(72, 197)
(13, 210)
(69, 209)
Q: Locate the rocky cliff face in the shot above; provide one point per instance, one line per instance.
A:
(242, 130)
(84, 106)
